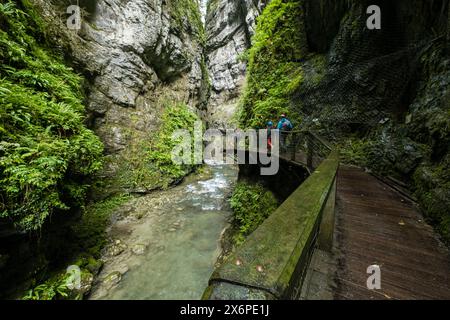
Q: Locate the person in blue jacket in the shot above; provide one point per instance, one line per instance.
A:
(284, 125)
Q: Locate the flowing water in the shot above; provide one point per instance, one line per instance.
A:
(168, 242)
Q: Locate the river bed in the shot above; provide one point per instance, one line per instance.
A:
(165, 245)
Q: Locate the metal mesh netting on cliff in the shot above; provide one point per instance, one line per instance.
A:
(369, 76)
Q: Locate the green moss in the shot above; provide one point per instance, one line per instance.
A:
(274, 68)
(206, 85)
(147, 163)
(354, 151)
(284, 239)
(432, 185)
(90, 232)
(319, 64)
(186, 14)
(46, 152)
(251, 204)
(88, 262)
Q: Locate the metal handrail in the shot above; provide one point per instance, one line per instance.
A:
(305, 147)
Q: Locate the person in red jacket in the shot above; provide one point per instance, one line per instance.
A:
(269, 135)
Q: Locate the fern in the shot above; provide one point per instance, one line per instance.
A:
(44, 144)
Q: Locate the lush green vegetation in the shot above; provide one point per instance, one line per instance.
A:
(251, 204)
(90, 231)
(46, 152)
(53, 289)
(175, 117)
(432, 185)
(186, 16)
(77, 243)
(274, 68)
(147, 164)
(59, 285)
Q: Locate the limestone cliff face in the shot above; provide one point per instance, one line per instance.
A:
(229, 27)
(136, 55)
(131, 52)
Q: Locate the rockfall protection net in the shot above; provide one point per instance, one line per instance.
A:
(369, 74)
(363, 92)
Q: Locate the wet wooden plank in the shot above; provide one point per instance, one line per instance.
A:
(375, 224)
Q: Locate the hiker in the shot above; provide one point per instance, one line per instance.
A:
(269, 135)
(285, 126)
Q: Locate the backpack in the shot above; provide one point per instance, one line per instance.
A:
(287, 125)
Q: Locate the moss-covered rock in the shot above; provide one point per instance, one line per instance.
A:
(274, 68)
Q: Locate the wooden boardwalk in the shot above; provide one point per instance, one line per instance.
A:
(377, 225)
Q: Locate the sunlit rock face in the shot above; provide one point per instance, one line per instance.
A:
(229, 27)
(133, 54)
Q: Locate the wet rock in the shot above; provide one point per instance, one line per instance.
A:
(87, 279)
(79, 290)
(112, 279)
(122, 268)
(115, 248)
(139, 249)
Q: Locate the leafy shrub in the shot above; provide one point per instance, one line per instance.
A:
(175, 117)
(46, 152)
(53, 289)
(354, 151)
(431, 184)
(251, 204)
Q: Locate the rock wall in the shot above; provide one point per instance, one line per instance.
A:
(448, 23)
(137, 58)
(389, 88)
(230, 25)
(136, 55)
(383, 94)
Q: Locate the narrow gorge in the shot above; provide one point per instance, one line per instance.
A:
(87, 118)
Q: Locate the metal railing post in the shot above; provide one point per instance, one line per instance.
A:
(310, 151)
(294, 146)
